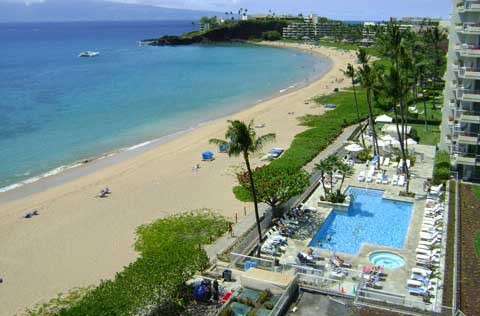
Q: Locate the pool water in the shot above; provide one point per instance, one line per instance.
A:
(370, 219)
(387, 259)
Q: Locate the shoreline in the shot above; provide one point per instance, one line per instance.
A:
(78, 239)
(88, 165)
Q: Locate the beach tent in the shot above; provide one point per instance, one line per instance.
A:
(383, 119)
(207, 155)
(354, 148)
(223, 148)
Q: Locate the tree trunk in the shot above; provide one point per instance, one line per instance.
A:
(341, 183)
(255, 202)
(358, 113)
(425, 109)
(403, 141)
(323, 185)
(372, 125)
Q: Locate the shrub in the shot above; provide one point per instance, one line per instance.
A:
(336, 197)
(365, 155)
(414, 135)
(441, 168)
(271, 35)
(170, 253)
(268, 305)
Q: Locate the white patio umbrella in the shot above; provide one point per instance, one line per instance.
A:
(383, 119)
(353, 148)
(411, 142)
(384, 143)
(388, 138)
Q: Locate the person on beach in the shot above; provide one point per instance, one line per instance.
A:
(230, 229)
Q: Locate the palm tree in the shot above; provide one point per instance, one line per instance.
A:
(346, 171)
(242, 140)
(367, 78)
(394, 49)
(434, 37)
(351, 73)
(324, 168)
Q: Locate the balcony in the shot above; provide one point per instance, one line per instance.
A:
(468, 160)
(467, 139)
(470, 117)
(469, 6)
(469, 73)
(467, 50)
(468, 29)
(468, 95)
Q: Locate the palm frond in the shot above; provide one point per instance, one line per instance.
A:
(262, 140)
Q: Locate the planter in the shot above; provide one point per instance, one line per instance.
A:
(336, 206)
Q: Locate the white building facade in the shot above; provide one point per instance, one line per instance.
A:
(461, 111)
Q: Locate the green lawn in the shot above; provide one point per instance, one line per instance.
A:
(430, 137)
(476, 191)
(477, 241)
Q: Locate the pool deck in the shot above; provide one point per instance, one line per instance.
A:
(396, 279)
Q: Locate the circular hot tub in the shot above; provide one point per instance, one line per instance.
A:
(386, 259)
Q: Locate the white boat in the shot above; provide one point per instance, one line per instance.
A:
(88, 54)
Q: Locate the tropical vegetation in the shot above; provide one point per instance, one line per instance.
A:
(170, 252)
(275, 185)
(328, 169)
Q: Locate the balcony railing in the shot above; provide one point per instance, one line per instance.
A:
(468, 50)
(469, 73)
(463, 157)
(468, 95)
(469, 6)
(468, 29)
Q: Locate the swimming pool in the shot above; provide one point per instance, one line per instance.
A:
(370, 219)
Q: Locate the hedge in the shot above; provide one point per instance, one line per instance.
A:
(441, 168)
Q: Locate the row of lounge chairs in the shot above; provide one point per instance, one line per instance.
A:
(288, 226)
(387, 162)
(428, 251)
(381, 178)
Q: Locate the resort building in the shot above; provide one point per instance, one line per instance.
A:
(313, 28)
(461, 114)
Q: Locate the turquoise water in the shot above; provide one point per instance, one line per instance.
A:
(370, 219)
(56, 108)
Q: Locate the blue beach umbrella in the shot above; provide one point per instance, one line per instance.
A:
(207, 155)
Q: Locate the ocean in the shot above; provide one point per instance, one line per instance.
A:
(57, 109)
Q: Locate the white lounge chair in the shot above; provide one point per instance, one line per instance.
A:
(401, 180)
(436, 189)
(395, 179)
(408, 163)
(430, 236)
(421, 251)
(423, 272)
(429, 244)
(432, 258)
(385, 179)
(370, 175)
(361, 176)
(379, 178)
(386, 163)
(400, 164)
(382, 159)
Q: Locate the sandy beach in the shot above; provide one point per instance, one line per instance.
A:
(79, 239)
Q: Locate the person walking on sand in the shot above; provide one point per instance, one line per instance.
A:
(230, 229)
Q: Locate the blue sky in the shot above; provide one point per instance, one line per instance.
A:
(345, 9)
(342, 9)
